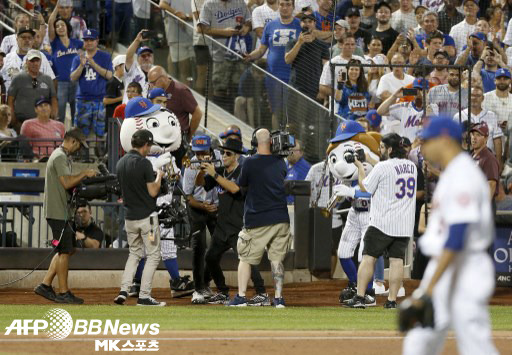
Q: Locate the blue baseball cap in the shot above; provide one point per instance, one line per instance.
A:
(156, 92)
(374, 118)
(479, 35)
(229, 132)
(503, 72)
(42, 100)
(140, 106)
(90, 34)
(442, 126)
(420, 83)
(144, 49)
(201, 143)
(347, 130)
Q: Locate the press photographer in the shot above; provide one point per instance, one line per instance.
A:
(139, 190)
(87, 232)
(266, 220)
(58, 213)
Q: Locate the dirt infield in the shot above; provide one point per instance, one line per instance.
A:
(312, 294)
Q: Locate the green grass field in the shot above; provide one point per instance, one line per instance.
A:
(247, 318)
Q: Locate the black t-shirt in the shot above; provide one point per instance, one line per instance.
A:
(230, 217)
(265, 202)
(363, 39)
(307, 66)
(134, 172)
(92, 231)
(114, 89)
(387, 37)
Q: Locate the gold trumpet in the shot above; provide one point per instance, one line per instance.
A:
(327, 211)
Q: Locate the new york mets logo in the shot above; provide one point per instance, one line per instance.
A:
(143, 104)
(343, 127)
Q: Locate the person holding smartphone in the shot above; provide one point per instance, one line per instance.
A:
(352, 92)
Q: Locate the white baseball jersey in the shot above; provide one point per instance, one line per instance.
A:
(13, 64)
(447, 101)
(392, 184)
(460, 33)
(485, 116)
(260, 17)
(8, 43)
(410, 117)
(461, 196)
(135, 74)
(502, 107)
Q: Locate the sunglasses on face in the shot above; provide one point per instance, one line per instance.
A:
(227, 153)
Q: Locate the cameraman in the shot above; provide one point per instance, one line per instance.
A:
(87, 233)
(266, 220)
(58, 214)
(139, 190)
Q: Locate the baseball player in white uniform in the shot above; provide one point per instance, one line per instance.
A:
(392, 186)
(459, 231)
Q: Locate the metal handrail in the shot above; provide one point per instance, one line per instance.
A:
(6, 26)
(15, 4)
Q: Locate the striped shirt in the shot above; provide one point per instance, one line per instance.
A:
(392, 184)
(502, 107)
(460, 33)
(446, 100)
(410, 117)
(402, 21)
(488, 117)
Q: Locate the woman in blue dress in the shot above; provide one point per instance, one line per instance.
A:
(352, 93)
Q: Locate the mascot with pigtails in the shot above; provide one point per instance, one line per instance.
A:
(141, 113)
(353, 145)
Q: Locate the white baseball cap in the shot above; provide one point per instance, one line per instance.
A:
(33, 53)
(120, 59)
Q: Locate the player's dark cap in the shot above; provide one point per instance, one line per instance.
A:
(308, 17)
(142, 137)
(381, 4)
(42, 100)
(233, 145)
(352, 12)
(479, 35)
(503, 72)
(76, 133)
(442, 126)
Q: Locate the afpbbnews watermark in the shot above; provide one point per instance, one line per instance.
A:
(57, 324)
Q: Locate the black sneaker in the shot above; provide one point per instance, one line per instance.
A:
(260, 299)
(150, 301)
(219, 298)
(134, 290)
(182, 287)
(348, 292)
(390, 304)
(121, 297)
(45, 291)
(356, 302)
(369, 298)
(68, 297)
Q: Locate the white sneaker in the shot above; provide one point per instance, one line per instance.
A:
(380, 289)
(198, 298)
(401, 292)
(207, 293)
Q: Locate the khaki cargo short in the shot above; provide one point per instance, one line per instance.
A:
(252, 243)
(226, 75)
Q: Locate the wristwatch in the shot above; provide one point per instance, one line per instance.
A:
(216, 175)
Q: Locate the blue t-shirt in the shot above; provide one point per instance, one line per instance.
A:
(91, 85)
(325, 23)
(448, 40)
(62, 57)
(265, 202)
(488, 80)
(297, 171)
(276, 36)
(353, 103)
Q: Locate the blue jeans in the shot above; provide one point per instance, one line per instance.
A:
(66, 92)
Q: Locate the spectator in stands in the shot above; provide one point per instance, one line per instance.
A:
(179, 38)
(297, 167)
(368, 19)
(446, 97)
(374, 48)
(14, 61)
(402, 45)
(449, 16)
(374, 76)
(484, 156)
(463, 29)
(341, 27)
(496, 19)
(419, 11)
(479, 114)
(477, 42)
(362, 36)
(10, 42)
(5, 120)
(487, 67)
(122, 17)
(3, 91)
(201, 50)
(137, 70)
(430, 24)
(404, 19)
(228, 29)
(133, 90)
(307, 55)
(325, 17)
(440, 75)
(141, 16)
(391, 82)
(352, 92)
(92, 70)
(276, 36)
(158, 96)
(87, 232)
(180, 100)
(64, 50)
(78, 25)
(433, 43)
(115, 88)
(264, 14)
(28, 87)
(384, 31)
(46, 132)
(251, 93)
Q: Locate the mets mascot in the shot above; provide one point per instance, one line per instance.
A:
(141, 113)
(353, 143)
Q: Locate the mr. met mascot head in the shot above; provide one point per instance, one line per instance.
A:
(349, 140)
(141, 113)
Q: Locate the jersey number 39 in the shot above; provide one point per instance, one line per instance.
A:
(406, 187)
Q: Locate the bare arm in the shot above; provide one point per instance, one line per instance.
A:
(69, 181)
(360, 175)
(499, 152)
(257, 53)
(14, 122)
(290, 56)
(219, 32)
(154, 187)
(55, 108)
(195, 120)
(107, 74)
(383, 109)
(51, 23)
(88, 242)
(259, 31)
(463, 57)
(492, 188)
(75, 75)
(130, 52)
(112, 100)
